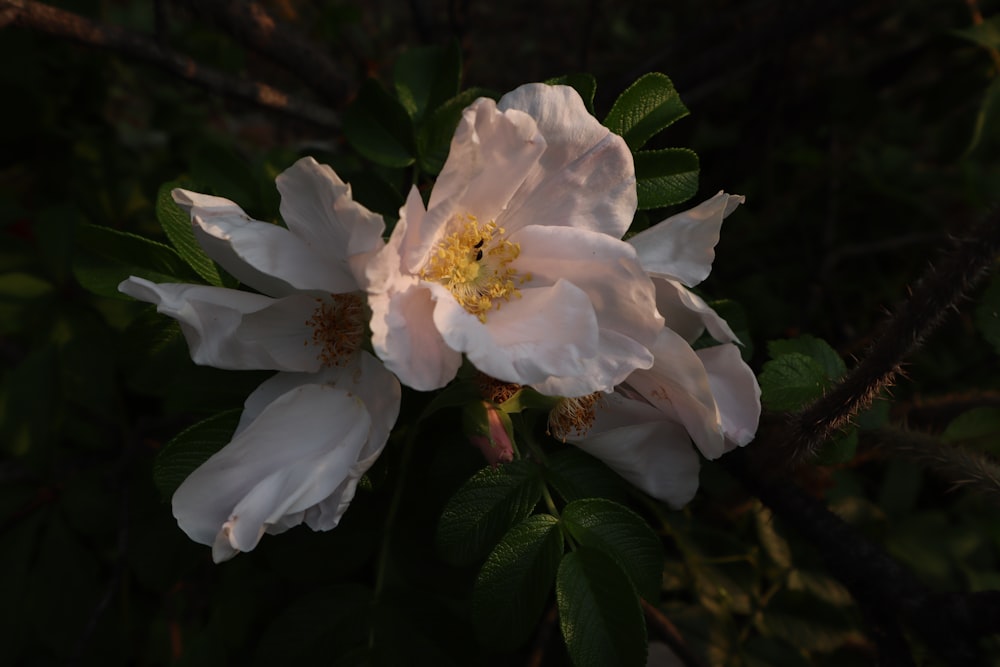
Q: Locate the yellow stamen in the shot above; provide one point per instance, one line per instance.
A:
(573, 416)
(338, 325)
(473, 262)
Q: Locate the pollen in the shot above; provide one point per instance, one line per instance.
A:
(473, 262)
(338, 327)
(573, 416)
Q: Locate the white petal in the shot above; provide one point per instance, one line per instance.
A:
(269, 258)
(318, 208)
(548, 331)
(654, 455)
(617, 358)
(605, 268)
(300, 451)
(687, 314)
(678, 384)
(584, 179)
(233, 329)
(491, 154)
(683, 245)
(405, 339)
(736, 392)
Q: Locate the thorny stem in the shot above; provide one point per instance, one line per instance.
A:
(939, 290)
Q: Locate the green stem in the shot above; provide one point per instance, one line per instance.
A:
(390, 517)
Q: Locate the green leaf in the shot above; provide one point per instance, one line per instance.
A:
(623, 535)
(988, 313)
(17, 286)
(379, 128)
(426, 77)
(985, 34)
(435, 133)
(190, 448)
(814, 348)
(986, 116)
(485, 508)
(576, 475)
(599, 611)
(839, 450)
(665, 177)
(978, 428)
(109, 256)
(790, 381)
(515, 581)
(646, 107)
(585, 84)
(177, 225)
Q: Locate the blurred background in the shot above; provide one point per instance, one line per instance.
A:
(863, 134)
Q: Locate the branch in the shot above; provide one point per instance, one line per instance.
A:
(961, 466)
(252, 26)
(60, 23)
(939, 290)
(950, 624)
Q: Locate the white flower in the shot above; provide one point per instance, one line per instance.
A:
(517, 260)
(645, 429)
(310, 432)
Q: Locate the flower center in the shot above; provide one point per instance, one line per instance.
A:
(473, 262)
(338, 325)
(573, 416)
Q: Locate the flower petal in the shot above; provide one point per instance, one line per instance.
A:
(683, 245)
(736, 392)
(605, 268)
(263, 476)
(318, 208)
(678, 385)
(617, 358)
(235, 330)
(584, 179)
(269, 258)
(549, 331)
(652, 453)
(405, 339)
(687, 314)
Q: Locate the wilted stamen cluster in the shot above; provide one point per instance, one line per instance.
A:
(573, 416)
(494, 390)
(338, 325)
(473, 262)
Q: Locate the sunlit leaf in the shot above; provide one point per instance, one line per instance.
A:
(791, 381)
(665, 177)
(644, 108)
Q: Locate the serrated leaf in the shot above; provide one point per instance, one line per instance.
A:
(575, 475)
(665, 177)
(515, 581)
(988, 313)
(109, 256)
(585, 84)
(623, 535)
(378, 127)
(485, 508)
(435, 133)
(816, 349)
(599, 611)
(790, 381)
(645, 108)
(177, 226)
(190, 448)
(426, 77)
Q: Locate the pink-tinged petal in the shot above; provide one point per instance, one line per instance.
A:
(300, 451)
(605, 268)
(687, 314)
(617, 358)
(736, 392)
(678, 384)
(318, 208)
(235, 330)
(548, 331)
(405, 339)
(584, 179)
(491, 153)
(269, 258)
(683, 245)
(655, 456)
